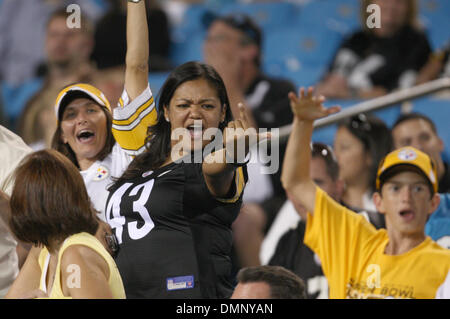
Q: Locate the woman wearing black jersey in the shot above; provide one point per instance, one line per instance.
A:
(173, 208)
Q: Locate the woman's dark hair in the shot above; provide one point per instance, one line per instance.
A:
(65, 149)
(374, 135)
(414, 116)
(158, 140)
(325, 152)
(49, 201)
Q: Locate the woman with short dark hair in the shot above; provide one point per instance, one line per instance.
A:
(50, 208)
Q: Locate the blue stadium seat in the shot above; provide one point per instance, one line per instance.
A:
(389, 115)
(156, 80)
(191, 49)
(311, 46)
(268, 15)
(219, 3)
(188, 36)
(434, 17)
(299, 53)
(101, 4)
(438, 110)
(325, 134)
(340, 16)
(193, 19)
(16, 97)
(291, 68)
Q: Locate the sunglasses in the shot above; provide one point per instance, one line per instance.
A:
(360, 126)
(360, 122)
(326, 153)
(243, 23)
(323, 150)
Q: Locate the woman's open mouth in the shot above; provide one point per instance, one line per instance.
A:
(195, 131)
(85, 136)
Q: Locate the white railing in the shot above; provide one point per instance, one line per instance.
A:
(378, 103)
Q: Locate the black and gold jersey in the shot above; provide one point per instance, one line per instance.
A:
(175, 238)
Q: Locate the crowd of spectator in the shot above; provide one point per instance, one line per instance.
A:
(255, 233)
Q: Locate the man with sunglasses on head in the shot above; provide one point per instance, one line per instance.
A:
(233, 46)
(358, 260)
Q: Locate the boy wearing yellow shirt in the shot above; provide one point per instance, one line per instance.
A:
(358, 260)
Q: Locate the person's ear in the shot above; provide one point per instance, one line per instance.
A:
(250, 52)
(369, 159)
(63, 138)
(166, 114)
(441, 144)
(435, 201)
(378, 201)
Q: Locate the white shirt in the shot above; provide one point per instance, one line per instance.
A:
(100, 175)
(12, 150)
(444, 290)
(287, 218)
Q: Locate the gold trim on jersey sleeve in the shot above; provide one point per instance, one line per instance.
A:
(131, 133)
(129, 121)
(239, 179)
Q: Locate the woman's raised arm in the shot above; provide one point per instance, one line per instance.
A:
(136, 61)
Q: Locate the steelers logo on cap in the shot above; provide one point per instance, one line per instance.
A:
(407, 155)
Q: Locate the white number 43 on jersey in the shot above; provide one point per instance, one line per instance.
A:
(117, 222)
